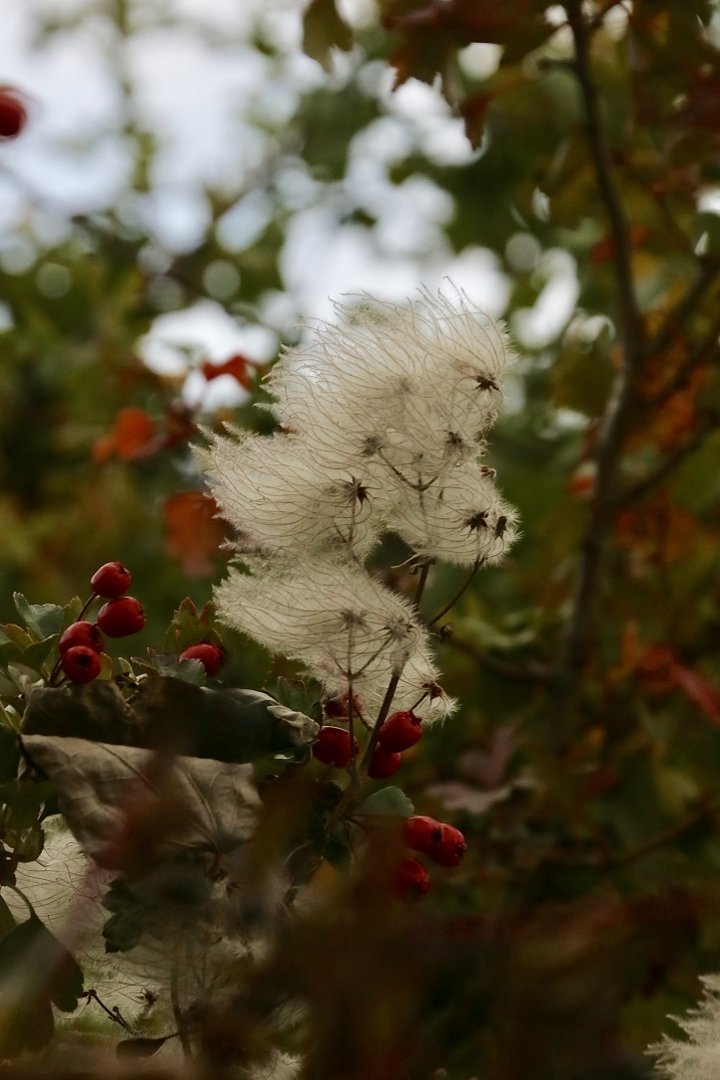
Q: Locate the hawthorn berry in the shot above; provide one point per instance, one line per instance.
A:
(422, 833)
(442, 843)
(121, 617)
(334, 746)
(451, 848)
(81, 633)
(383, 763)
(400, 731)
(81, 664)
(210, 656)
(111, 580)
(411, 879)
(13, 115)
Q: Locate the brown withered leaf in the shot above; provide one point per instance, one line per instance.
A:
(116, 796)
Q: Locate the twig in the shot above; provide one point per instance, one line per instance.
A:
(643, 487)
(686, 305)
(659, 840)
(609, 446)
(461, 591)
(702, 352)
(529, 672)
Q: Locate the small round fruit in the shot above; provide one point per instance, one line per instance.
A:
(81, 664)
(121, 617)
(422, 833)
(81, 633)
(411, 879)
(383, 763)
(334, 746)
(13, 115)
(210, 656)
(451, 848)
(111, 580)
(400, 731)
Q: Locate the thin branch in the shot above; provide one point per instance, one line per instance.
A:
(463, 588)
(609, 445)
(528, 672)
(686, 305)
(643, 487)
(702, 352)
(662, 839)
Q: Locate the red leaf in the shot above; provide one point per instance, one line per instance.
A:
(193, 531)
(237, 366)
(133, 435)
(700, 692)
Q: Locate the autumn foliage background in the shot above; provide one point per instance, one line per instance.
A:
(584, 763)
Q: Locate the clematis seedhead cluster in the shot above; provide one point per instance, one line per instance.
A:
(382, 419)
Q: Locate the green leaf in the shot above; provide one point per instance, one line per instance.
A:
(388, 800)
(36, 972)
(324, 30)
(167, 664)
(153, 802)
(43, 619)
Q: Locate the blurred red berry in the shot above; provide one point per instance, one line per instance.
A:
(451, 848)
(442, 843)
(400, 731)
(81, 633)
(81, 664)
(111, 580)
(411, 879)
(210, 656)
(422, 833)
(383, 763)
(121, 617)
(334, 746)
(13, 115)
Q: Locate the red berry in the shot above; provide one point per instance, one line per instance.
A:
(210, 656)
(111, 580)
(400, 731)
(442, 843)
(81, 664)
(13, 115)
(383, 763)
(451, 848)
(422, 833)
(334, 746)
(121, 617)
(411, 879)
(81, 633)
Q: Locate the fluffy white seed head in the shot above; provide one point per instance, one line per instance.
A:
(460, 518)
(280, 498)
(335, 617)
(698, 1057)
(409, 376)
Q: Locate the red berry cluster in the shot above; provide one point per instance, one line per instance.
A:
(440, 842)
(399, 732)
(334, 745)
(81, 645)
